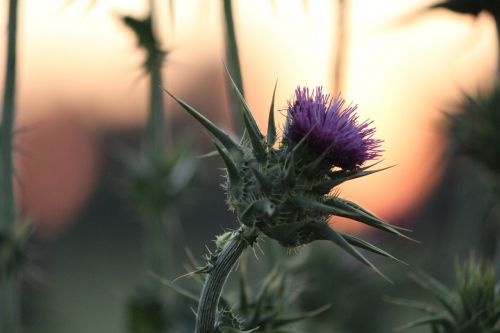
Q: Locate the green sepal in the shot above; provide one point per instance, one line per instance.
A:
(271, 126)
(368, 247)
(324, 232)
(256, 141)
(289, 171)
(264, 183)
(261, 207)
(286, 233)
(219, 134)
(312, 168)
(232, 170)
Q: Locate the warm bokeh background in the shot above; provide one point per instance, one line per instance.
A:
(82, 94)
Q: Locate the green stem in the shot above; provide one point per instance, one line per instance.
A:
(9, 303)
(156, 120)
(7, 201)
(212, 289)
(233, 63)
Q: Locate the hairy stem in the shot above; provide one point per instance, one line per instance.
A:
(212, 289)
(9, 312)
(233, 63)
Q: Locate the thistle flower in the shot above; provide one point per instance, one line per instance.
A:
(330, 129)
(283, 193)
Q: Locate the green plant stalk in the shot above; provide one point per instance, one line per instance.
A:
(156, 118)
(7, 211)
(217, 276)
(9, 303)
(157, 238)
(233, 63)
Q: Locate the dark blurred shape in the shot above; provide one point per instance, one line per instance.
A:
(146, 313)
(474, 129)
(473, 7)
(143, 30)
(474, 133)
(13, 248)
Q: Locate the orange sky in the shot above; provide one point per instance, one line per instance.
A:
(401, 75)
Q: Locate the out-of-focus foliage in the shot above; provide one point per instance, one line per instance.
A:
(13, 247)
(474, 129)
(270, 308)
(473, 307)
(146, 313)
(157, 184)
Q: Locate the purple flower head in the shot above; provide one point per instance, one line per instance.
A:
(330, 128)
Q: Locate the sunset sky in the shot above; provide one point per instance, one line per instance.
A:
(402, 70)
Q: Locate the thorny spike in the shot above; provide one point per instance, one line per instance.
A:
(325, 232)
(252, 126)
(271, 126)
(232, 170)
(222, 136)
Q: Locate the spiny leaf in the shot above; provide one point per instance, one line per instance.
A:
(244, 107)
(286, 321)
(424, 321)
(345, 208)
(232, 170)
(179, 290)
(340, 176)
(416, 305)
(270, 279)
(368, 246)
(325, 232)
(260, 152)
(222, 136)
(242, 281)
(445, 296)
(271, 126)
(251, 127)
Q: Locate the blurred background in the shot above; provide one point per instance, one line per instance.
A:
(82, 100)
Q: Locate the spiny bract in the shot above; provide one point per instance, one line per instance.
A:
(282, 191)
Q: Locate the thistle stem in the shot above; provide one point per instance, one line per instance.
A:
(156, 118)
(212, 289)
(9, 300)
(7, 199)
(233, 62)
